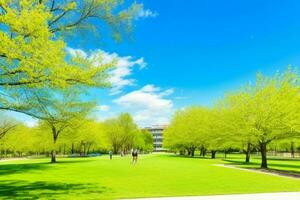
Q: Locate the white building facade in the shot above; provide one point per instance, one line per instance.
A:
(157, 134)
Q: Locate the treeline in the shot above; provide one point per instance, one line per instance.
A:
(83, 138)
(262, 116)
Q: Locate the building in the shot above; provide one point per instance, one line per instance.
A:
(157, 133)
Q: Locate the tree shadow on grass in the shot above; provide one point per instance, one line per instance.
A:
(283, 165)
(238, 162)
(287, 172)
(15, 189)
(284, 159)
(186, 156)
(6, 169)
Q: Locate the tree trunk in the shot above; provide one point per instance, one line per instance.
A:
(192, 151)
(225, 154)
(263, 151)
(84, 147)
(201, 151)
(188, 152)
(72, 148)
(53, 152)
(204, 152)
(53, 156)
(213, 154)
(248, 152)
(293, 149)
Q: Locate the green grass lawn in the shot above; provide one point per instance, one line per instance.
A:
(154, 175)
(282, 164)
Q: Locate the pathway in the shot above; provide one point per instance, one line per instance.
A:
(261, 196)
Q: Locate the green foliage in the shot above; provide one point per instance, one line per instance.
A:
(251, 118)
(33, 48)
(123, 135)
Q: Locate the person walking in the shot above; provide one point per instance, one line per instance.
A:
(110, 155)
(134, 156)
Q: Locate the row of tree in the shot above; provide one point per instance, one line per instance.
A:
(87, 136)
(259, 116)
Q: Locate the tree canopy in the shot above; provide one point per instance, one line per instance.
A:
(253, 117)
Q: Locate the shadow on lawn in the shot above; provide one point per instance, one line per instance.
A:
(235, 162)
(270, 167)
(185, 156)
(14, 189)
(6, 169)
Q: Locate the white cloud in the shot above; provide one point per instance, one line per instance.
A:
(147, 14)
(76, 52)
(148, 105)
(103, 108)
(123, 69)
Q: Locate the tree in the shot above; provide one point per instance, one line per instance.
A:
(270, 109)
(32, 40)
(146, 141)
(188, 130)
(123, 134)
(62, 112)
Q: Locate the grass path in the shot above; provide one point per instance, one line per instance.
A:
(154, 176)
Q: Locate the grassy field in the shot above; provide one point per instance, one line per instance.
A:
(154, 175)
(282, 164)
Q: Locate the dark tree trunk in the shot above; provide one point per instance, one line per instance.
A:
(263, 151)
(84, 149)
(213, 154)
(115, 149)
(293, 149)
(248, 152)
(192, 150)
(202, 151)
(53, 152)
(192, 153)
(72, 148)
(53, 156)
(225, 154)
(189, 152)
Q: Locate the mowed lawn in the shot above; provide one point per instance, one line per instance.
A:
(282, 164)
(154, 175)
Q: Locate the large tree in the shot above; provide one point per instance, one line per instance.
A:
(60, 110)
(122, 133)
(269, 110)
(33, 48)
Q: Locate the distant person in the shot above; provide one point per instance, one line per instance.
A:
(110, 155)
(134, 156)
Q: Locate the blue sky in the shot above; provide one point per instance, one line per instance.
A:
(191, 52)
